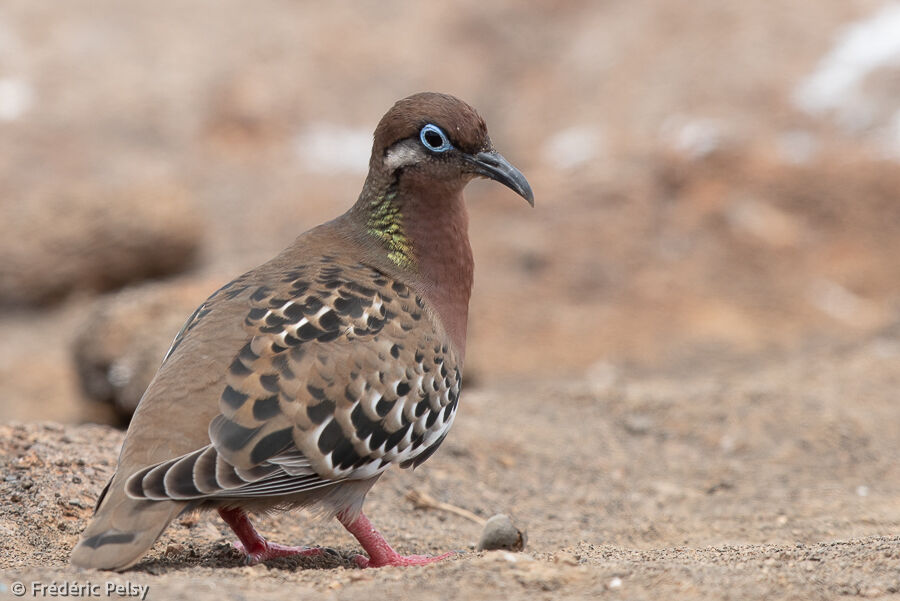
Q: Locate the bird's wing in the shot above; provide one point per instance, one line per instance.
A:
(344, 373)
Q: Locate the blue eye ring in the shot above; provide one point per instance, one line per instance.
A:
(434, 139)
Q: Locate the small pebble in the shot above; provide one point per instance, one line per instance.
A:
(500, 533)
(174, 549)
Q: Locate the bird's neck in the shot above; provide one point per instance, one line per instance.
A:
(421, 227)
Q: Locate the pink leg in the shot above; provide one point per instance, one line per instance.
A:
(380, 552)
(253, 545)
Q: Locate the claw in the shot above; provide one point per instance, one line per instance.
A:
(272, 550)
(397, 560)
(380, 552)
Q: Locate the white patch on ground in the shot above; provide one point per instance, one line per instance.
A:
(572, 147)
(838, 302)
(16, 97)
(331, 148)
(695, 137)
(843, 82)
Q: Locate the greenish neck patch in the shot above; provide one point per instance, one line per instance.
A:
(385, 222)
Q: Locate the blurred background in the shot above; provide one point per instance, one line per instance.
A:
(715, 181)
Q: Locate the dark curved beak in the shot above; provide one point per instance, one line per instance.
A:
(493, 166)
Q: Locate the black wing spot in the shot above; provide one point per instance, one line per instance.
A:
(403, 389)
(234, 436)
(257, 313)
(308, 332)
(365, 426)
(394, 439)
(264, 409)
(422, 406)
(238, 368)
(331, 437)
(233, 398)
(353, 306)
(247, 355)
(281, 363)
(294, 312)
(361, 290)
(276, 329)
(395, 351)
(384, 406)
(345, 456)
(329, 321)
(269, 382)
(349, 394)
(432, 417)
(312, 305)
(421, 457)
(274, 319)
(316, 392)
(320, 412)
(270, 445)
(260, 295)
(379, 435)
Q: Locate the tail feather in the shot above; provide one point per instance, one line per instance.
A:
(122, 530)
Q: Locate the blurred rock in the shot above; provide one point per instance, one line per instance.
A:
(500, 533)
(93, 238)
(124, 338)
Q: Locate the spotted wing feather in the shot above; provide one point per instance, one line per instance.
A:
(344, 373)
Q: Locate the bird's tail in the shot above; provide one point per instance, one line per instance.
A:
(122, 529)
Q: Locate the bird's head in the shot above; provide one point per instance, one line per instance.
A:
(439, 138)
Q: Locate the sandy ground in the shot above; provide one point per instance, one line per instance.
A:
(774, 480)
(683, 364)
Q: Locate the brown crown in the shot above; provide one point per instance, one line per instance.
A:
(464, 126)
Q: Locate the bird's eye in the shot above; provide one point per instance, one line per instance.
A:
(434, 139)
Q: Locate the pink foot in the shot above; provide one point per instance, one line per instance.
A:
(256, 548)
(272, 550)
(380, 552)
(398, 560)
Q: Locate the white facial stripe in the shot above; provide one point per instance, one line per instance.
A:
(402, 154)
